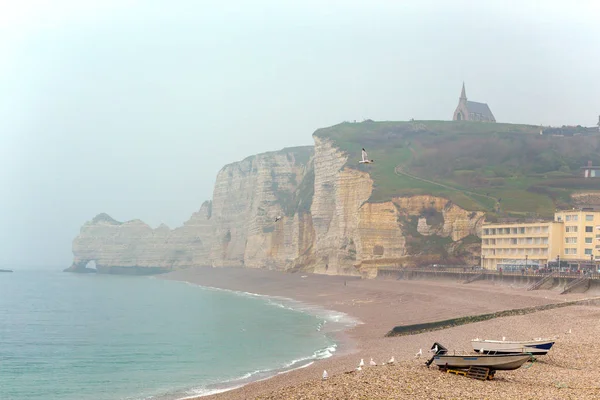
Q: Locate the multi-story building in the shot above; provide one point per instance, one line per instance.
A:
(581, 234)
(573, 237)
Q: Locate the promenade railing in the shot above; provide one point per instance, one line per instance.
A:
(528, 272)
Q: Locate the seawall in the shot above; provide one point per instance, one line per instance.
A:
(558, 283)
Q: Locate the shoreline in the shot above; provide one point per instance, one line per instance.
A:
(380, 305)
(334, 325)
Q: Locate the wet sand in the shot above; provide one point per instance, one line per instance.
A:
(382, 304)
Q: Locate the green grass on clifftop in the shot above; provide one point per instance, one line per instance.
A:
(479, 166)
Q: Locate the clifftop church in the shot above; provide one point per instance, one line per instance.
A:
(471, 110)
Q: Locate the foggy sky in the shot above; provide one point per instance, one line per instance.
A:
(132, 107)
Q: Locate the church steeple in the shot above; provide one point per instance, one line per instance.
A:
(463, 94)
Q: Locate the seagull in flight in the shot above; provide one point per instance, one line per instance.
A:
(278, 218)
(365, 158)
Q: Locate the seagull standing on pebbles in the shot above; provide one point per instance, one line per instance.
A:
(362, 363)
(503, 338)
(419, 354)
(569, 332)
(365, 158)
(359, 368)
(325, 375)
(372, 363)
(392, 360)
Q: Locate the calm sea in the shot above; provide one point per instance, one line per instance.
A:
(68, 336)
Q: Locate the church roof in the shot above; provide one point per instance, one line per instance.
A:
(479, 108)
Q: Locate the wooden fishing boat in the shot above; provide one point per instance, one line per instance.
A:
(494, 362)
(535, 346)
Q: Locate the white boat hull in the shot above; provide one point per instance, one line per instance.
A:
(536, 347)
(500, 362)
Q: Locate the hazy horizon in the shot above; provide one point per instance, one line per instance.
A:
(129, 108)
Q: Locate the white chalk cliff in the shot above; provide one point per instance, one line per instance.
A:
(328, 224)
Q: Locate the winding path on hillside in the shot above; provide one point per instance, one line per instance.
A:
(399, 171)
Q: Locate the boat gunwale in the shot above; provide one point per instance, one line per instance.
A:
(514, 341)
(484, 355)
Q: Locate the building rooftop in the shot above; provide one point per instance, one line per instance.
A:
(479, 108)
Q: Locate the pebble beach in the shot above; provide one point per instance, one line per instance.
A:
(569, 371)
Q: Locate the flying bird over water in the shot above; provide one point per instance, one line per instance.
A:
(365, 158)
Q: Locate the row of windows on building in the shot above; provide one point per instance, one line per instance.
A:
(573, 229)
(516, 231)
(533, 230)
(513, 251)
(532, 251)
(588, 240)
(575, 217)
(573, 252)
(527, 240)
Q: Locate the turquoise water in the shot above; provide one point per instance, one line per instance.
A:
(68, 336)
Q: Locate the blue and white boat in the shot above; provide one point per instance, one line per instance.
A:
(535, 346)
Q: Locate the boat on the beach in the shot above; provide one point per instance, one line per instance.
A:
(534, 346)
(494, 362)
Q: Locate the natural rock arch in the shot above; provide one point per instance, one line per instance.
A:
(83, 266)
(91, 265)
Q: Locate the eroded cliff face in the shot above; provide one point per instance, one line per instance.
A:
(248, 198)
(410, 231)
(325, 223)
(134, 247)
(339, 192)
(237, 228)
(356, 237)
